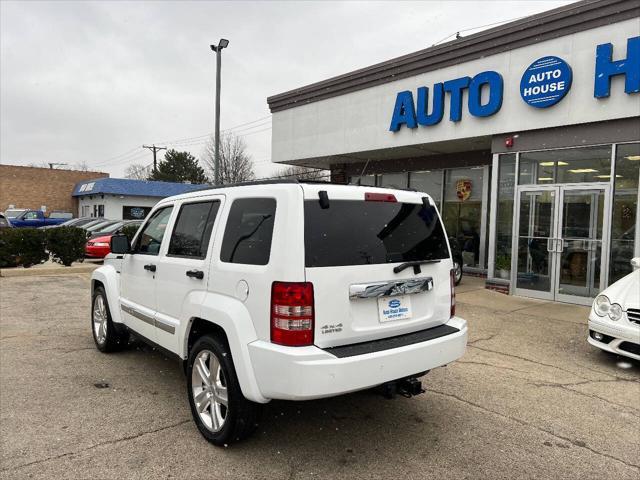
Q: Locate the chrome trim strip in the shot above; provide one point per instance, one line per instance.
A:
(390, 288)
(165, 326)
(148, 319)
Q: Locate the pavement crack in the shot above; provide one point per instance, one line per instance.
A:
(97, 445)
(494, 366)
(577, 443)
(549, 365)
(483, 339)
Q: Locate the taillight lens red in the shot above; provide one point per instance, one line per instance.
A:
(453, 292)
(292, 316)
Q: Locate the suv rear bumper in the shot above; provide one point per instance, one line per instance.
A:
(305, 373)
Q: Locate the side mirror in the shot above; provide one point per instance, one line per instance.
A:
(120, 244)
(635, 263)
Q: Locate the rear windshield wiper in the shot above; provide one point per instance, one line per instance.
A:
(415, 264)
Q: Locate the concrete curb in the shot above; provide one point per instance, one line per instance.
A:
(43, 272)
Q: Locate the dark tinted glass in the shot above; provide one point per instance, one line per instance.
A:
(150, 239)
(192, 232)
(359, 233)
(247, 237)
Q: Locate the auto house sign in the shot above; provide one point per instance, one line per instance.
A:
(545, 82)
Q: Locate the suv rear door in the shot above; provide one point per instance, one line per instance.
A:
(352, 244)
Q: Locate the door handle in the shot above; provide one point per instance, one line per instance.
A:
(549, 247)
(150, 266)
(561, 249)
(199, 274)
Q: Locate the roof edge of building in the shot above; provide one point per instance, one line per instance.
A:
(562, 21)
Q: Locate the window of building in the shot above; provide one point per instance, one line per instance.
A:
(135, 213)
(462, 211)
(568, 165)
(625, 210)
(363, 180)
(428, 182)
(191, 234)
(393, 180)
(249, 230)
(504, 214)
(150, 239)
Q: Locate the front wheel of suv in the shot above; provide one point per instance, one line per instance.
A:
(105, 334)
(221, 412)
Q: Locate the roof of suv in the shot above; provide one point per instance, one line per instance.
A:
(222, 188)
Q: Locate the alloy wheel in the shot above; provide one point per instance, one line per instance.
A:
(209, 390)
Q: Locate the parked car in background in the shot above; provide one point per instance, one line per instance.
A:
(58, 214)
(92, 222)
(4, 222)
(14, 212)
(99, 243)
(74, 222)
(35, 219)
(97, 227)
(614, 321)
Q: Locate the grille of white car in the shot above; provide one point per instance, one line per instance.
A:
(633, 314)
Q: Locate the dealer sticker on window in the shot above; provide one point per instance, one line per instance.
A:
(394, 308)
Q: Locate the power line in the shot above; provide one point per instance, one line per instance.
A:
(457, 33)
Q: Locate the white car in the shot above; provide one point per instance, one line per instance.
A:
(614, 321)
(284, 291)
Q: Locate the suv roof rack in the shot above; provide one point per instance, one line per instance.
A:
(291, 181)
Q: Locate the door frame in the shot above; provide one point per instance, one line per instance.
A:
(554, 253)
(604, 249)
(542, 295)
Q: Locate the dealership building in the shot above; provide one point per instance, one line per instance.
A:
(526, 135)
(123, 198)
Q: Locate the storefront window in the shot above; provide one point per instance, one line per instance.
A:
(569, 165)
(364, 180)
(625, 208)
(429, 182)
(504, 215)
(462, 211)
(393, 180)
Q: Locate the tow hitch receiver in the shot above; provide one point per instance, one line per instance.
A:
(407, 387)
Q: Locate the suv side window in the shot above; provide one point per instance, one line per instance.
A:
(150, 238)
(247, 237)
(190, 237)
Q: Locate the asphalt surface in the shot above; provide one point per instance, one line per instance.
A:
(530, 399)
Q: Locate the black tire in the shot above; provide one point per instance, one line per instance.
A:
(457, 266)
(114, 338)
(241, 415)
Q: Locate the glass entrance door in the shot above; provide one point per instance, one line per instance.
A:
(558, 250)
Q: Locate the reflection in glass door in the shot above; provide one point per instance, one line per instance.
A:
(580, 243)
(534, 260)
(558, 244)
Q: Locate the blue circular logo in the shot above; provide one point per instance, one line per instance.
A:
(394, 303)
(545, 82)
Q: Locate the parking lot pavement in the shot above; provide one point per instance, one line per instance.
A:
(530, 399)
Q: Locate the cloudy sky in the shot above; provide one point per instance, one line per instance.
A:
(90, 82)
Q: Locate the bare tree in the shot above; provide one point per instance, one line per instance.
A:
(302, 173)
(83, 166)
(235, 163)
(137, 171)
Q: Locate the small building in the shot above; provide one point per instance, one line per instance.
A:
(37, 188)
(124, 199)
(527, 135)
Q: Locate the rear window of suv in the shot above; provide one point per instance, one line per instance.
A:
(247, 237)
(360, 233)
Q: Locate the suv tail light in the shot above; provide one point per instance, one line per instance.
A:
(453, 292)
(292, 316)
(379, 197)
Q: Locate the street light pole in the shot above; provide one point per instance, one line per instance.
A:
(216, 165)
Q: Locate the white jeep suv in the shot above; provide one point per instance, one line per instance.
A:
(284, 291)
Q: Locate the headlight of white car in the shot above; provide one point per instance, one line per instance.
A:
(603, 307)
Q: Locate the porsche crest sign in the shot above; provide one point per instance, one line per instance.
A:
(463, 189)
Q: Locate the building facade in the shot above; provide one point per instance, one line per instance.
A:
(34, 187)
(124, 199)
(527, 135)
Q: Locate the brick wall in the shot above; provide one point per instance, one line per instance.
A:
(32, 187)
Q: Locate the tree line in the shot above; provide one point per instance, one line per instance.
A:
(236, 165)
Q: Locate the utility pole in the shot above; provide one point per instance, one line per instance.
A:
(154, 149)
(223, 43)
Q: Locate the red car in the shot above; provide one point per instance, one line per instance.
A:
(99, 245)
